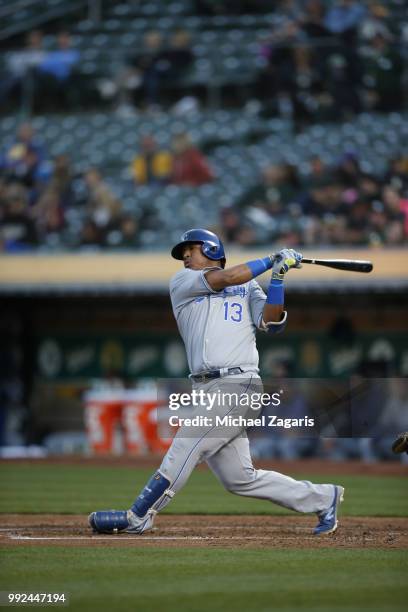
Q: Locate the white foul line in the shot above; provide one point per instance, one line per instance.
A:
(137, 538)
(108, 537)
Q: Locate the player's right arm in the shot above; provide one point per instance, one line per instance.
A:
(187, 285)
(236, 275)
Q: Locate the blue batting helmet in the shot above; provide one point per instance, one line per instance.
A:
(211, 245)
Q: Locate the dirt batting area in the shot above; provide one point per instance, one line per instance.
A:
(180, 531)
(226, 531)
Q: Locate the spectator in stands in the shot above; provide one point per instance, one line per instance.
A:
(141, 79)
(348, 169)
(91, 235)
(396, 207)
(17, 229)
(62, 181)
(374, 21)
(21, 71)
(126, 236)
(234, 228)
(369, 187)
(130, 232)
(161, 66)
(174, 62)
(290, 10)
(383, 73)
(318, 170)
(190, 166)
(341, 83)
(331, 206)
(278, 186)
(275, 82)
(323, 83)
(55, 199)
(344, 17)
(145, 66)
(270, 207)
(324, 197)
(357, 227)
(322, 212)
(48, 213)
(293, 75)
(102, 205)
(58, 71)
(230, 224)
(312, 21)
(307, 83)
(25, 160)
(131, 85)
(397, 173)
(152, 166)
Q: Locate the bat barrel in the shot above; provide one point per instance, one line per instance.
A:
(351, 265)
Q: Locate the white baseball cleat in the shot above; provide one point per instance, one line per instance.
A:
(139, 525)
(328, 519)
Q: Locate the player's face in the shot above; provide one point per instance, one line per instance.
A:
(194, 259)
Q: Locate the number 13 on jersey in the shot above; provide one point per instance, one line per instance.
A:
(233, 312)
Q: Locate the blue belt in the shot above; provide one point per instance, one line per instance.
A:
(210, 374)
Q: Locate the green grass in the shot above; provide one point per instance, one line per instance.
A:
(195, 580)
(198, 579)
(80, 488)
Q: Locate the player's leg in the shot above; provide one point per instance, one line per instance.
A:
(190, 446)
(232, 465)
(175, 469)
(178, 463)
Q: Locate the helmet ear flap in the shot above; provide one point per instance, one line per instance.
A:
(211, 245)
(213, 251)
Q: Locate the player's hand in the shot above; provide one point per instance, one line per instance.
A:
(284, 260)
(297, 256)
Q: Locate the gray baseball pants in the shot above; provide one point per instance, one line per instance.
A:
(226, 451)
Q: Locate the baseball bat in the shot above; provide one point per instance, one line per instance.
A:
(351, 265)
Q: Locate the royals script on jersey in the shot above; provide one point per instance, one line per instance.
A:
(218, 327)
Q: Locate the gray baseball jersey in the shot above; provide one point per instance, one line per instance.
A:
(218, 327)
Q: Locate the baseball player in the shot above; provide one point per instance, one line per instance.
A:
(218, 311)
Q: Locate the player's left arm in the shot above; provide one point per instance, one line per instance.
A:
(280, 263)
(274, 316)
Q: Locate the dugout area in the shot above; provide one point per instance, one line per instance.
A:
(68, 336)
(67, 339)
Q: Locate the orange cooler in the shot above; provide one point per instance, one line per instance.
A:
(139, 420)
(103, 411)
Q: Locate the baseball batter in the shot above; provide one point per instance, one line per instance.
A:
(218, 311)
